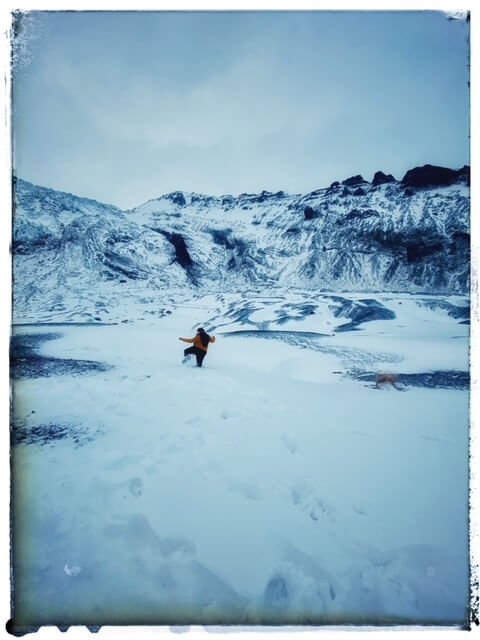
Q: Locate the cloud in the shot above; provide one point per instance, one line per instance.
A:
(249, 100)
(229, 103)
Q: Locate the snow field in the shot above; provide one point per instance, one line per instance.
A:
(264, 487)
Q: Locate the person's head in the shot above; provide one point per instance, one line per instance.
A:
(201, 330)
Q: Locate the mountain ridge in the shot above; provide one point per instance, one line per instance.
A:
(410, 235)
(443, 176)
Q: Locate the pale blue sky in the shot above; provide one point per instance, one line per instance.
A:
(125, 106)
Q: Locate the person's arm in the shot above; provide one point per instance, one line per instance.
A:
(212, 339)
(187, 339)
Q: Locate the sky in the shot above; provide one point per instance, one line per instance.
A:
(125, 106)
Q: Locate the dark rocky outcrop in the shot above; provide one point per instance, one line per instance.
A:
(221, 237)
(354, 181)
(263, 196)
(463, 175)
(416, 244)
(432, 176)
(237, 248)
(359, 192)
(228, 202)
(181, 252)
(21, 247)
(178, 198)
(359, 214)
(309, 213)
(420, 250)
(382, 178)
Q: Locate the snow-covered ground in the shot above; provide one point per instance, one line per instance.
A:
(267, 487)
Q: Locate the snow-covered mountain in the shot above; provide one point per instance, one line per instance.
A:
(76, 258)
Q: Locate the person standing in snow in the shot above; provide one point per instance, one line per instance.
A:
(200, 345)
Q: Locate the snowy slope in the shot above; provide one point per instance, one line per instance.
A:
(76, 259)
(268, 487)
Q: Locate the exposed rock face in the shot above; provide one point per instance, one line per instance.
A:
(178, 198)
(181, 252)
(359, 192)
(353, 181)
(382, 178)
(309, 213)
(431, 176)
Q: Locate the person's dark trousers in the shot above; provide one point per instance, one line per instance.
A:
(199, 353)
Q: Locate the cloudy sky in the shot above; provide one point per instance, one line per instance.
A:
(125, 106)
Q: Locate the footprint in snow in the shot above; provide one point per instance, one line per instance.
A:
(135, 486)
(315, 506)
